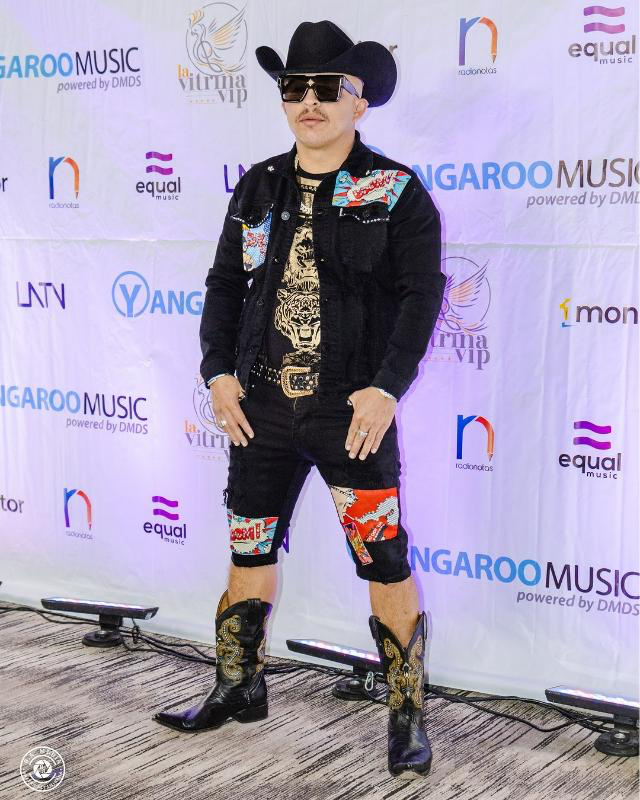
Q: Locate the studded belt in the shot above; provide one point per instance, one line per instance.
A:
(294, 381)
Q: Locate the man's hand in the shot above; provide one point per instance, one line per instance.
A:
(226, 392)
(372, 412)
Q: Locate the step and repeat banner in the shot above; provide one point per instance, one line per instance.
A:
(124, 129)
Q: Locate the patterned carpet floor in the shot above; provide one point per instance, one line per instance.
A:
(95, 706)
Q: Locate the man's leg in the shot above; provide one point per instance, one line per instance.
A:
(246, 582)
(264, 481)
(396, 605)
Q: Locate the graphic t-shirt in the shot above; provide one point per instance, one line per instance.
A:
(293, 333)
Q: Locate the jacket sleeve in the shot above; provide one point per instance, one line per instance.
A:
(226, 287)
(414, 242)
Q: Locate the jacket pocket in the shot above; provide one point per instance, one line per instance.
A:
(256, 228)
(363, 234)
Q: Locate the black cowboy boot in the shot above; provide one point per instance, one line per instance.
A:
(408, 745)
(240, 691)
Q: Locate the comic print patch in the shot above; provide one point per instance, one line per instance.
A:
(384, 185)
(367, 515)
(254, 242)
(252, 536)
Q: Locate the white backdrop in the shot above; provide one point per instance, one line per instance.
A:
(527, 562)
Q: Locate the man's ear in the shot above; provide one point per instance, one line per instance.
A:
(361, 106)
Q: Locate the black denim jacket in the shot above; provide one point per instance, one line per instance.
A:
(378, 265)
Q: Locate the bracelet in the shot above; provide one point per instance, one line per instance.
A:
(385, 393)
(215, 377)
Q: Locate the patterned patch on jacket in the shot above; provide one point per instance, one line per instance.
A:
(254, 243)
(383, 185)
(367, 515)
(251, 535)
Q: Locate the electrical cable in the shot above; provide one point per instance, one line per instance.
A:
(592, 723)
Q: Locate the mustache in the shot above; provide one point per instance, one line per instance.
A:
(311, 116)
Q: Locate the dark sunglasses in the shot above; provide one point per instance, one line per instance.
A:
(327, 88)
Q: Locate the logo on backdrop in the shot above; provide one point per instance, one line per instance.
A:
(491, 51)
(598, 588)
(216, 47)
(488, 428)
(596, 437)
(160, 189)
(132, 297)
(82, 512)
(11, 505)
(167, 510)
(206, 441)
(597, 315)
(619, 178)
(120, 413)
(72, 172)
(78, 67)
(613, 45)
(460, 335)
(47, 292)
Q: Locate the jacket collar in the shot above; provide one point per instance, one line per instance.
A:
(358, 162)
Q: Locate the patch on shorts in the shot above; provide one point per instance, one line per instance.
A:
(384, 185)
(254, 243)
(251, 536)
(367, 515)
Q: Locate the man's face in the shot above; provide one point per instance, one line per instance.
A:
(316, 124)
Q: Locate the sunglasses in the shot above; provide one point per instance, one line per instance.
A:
(327, 88)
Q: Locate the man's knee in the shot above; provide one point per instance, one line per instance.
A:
(371, 521)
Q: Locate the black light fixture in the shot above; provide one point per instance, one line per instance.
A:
(622, 740)
(110, 617)
(356, 686)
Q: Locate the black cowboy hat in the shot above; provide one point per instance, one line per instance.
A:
(322, 47)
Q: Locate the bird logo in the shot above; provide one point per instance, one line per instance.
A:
(466, 299)
(217, 41)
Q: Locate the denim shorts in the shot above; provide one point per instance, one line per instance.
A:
(291, 435)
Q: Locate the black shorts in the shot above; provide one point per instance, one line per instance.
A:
(265, 478)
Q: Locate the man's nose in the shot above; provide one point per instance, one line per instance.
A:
(310, 98)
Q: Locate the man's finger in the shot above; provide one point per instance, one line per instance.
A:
(357, 440)
(232, 427)
(242, 421)
(368, 441)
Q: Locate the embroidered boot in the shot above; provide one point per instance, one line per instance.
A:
(240, 691)
(408, 746)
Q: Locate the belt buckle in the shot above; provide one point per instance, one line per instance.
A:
(285, 382)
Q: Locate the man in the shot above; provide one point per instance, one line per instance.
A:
(323, 295)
